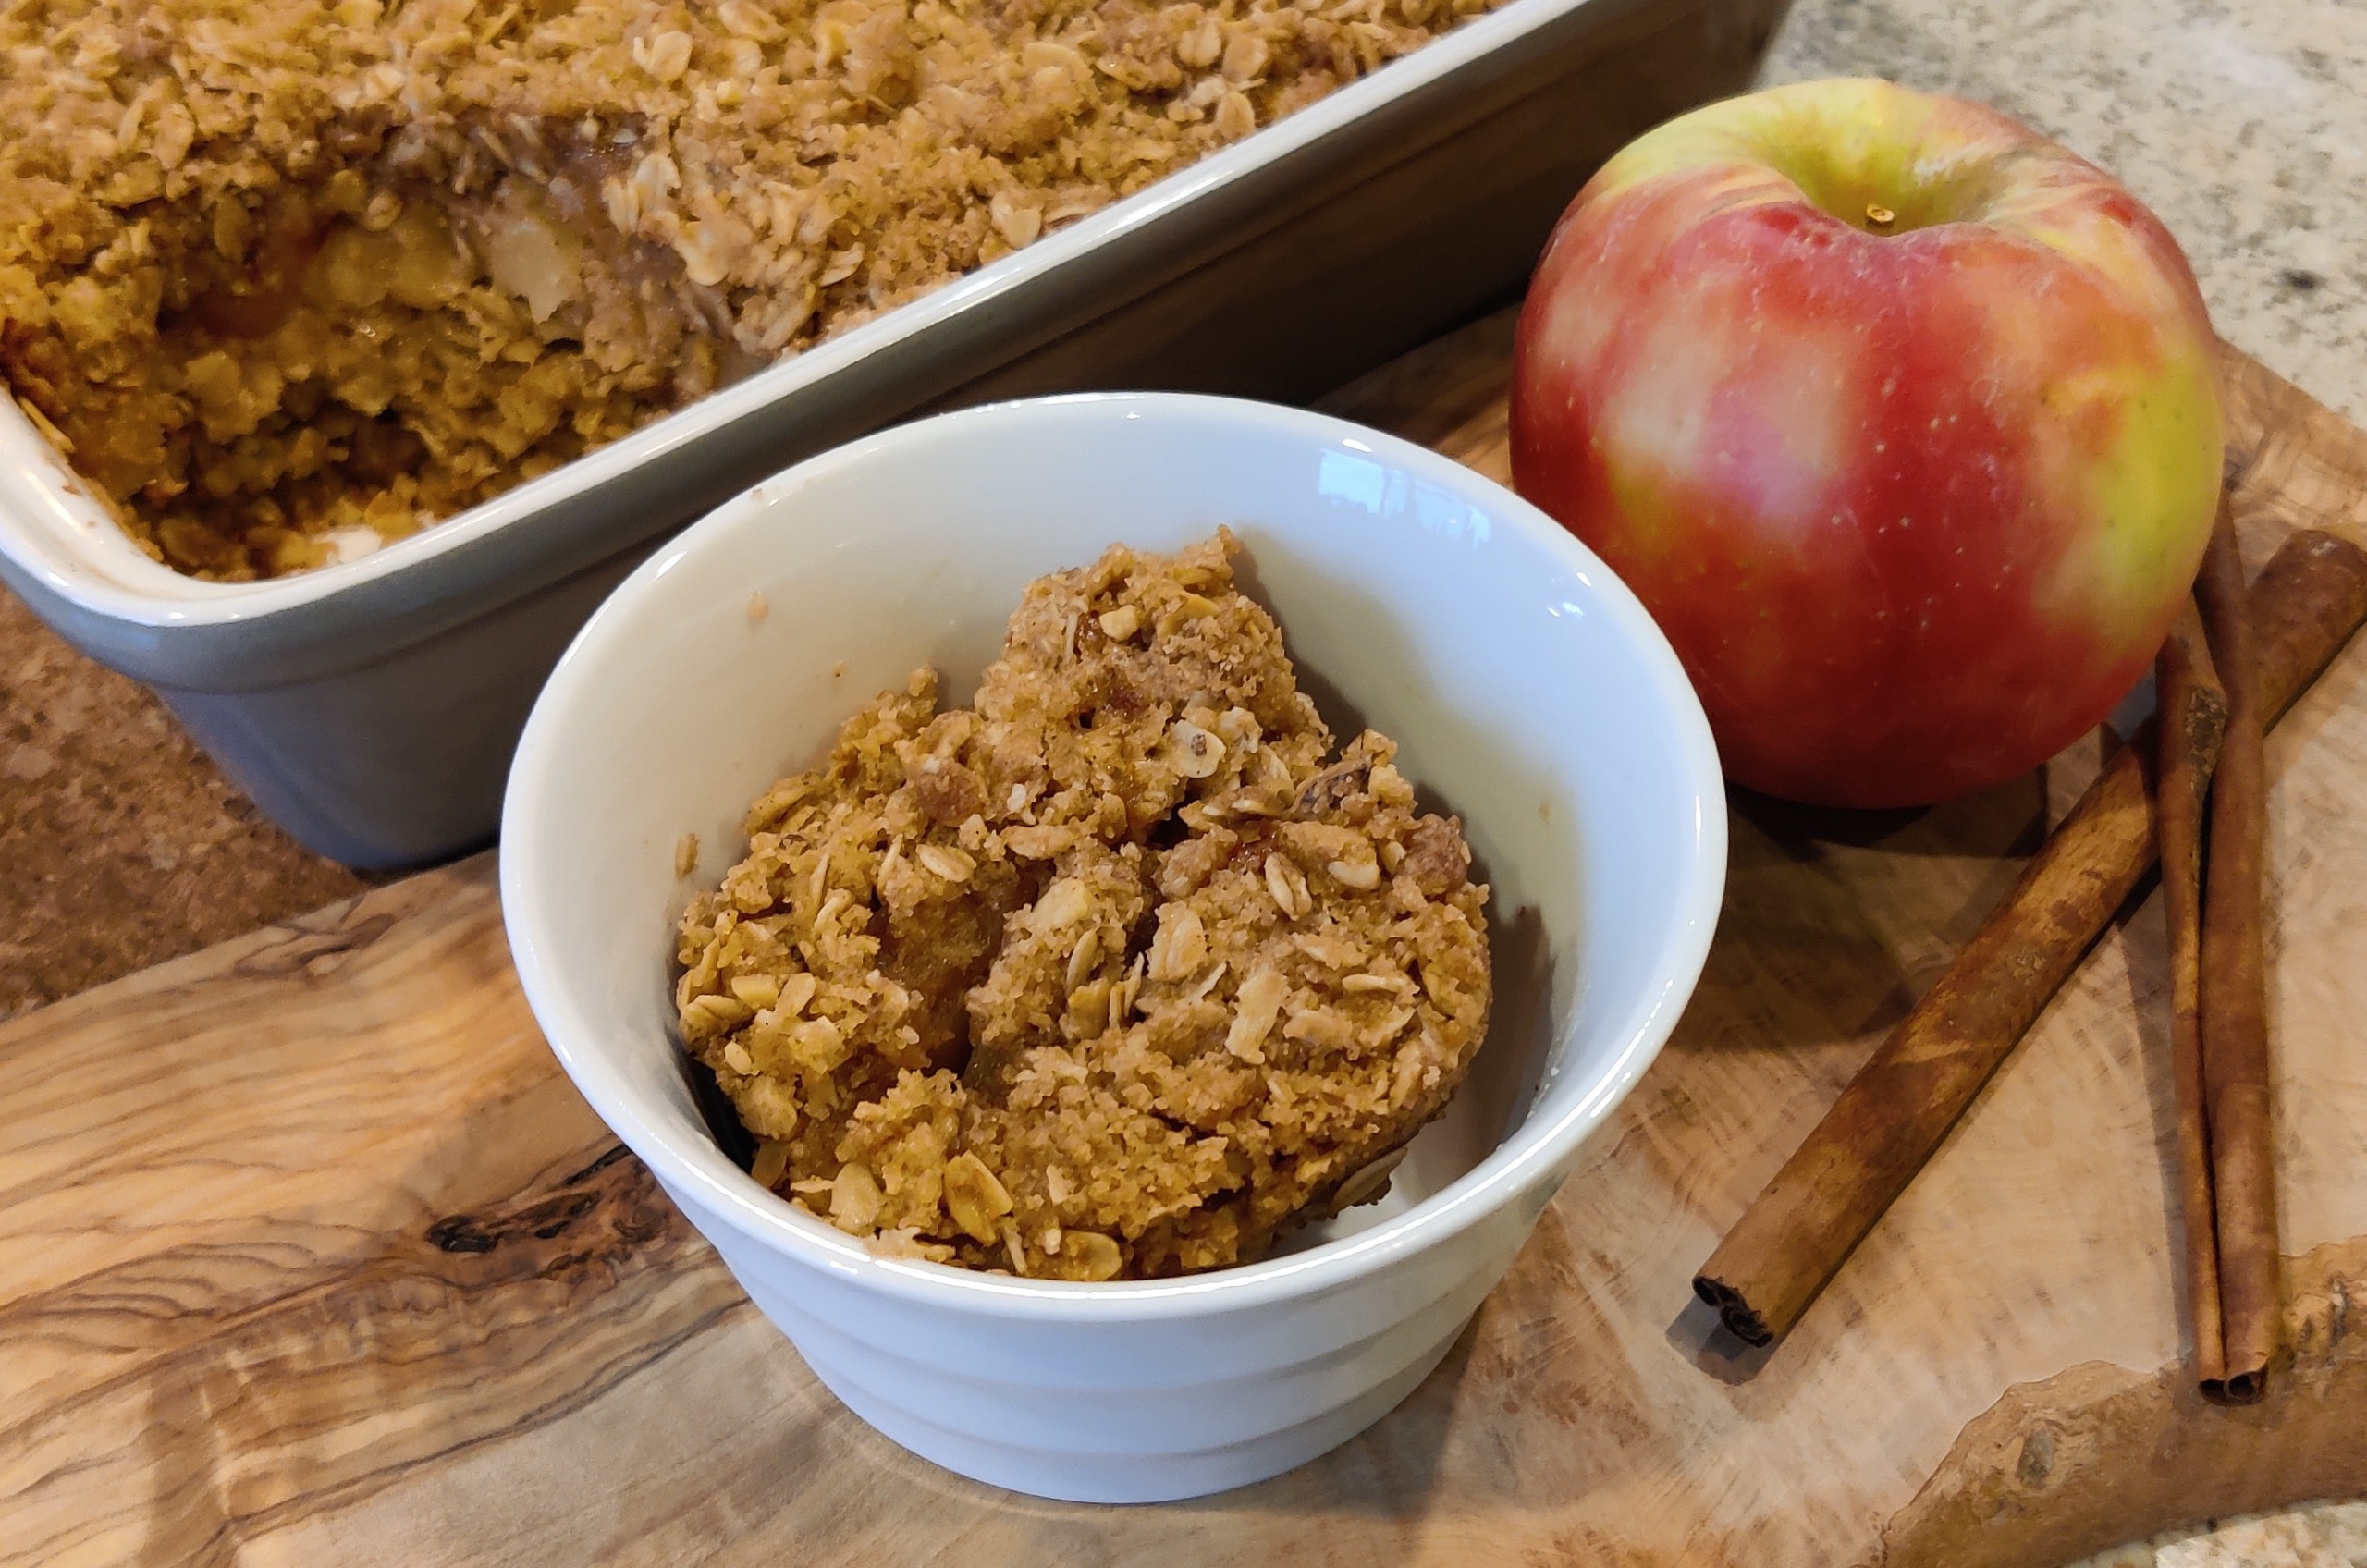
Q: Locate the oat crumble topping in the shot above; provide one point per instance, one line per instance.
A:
(288, 279)
(1117, 973)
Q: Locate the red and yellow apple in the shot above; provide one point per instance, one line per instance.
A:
(1901, 419)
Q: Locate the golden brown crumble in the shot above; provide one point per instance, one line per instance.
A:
(286, 278)
(1116, 972)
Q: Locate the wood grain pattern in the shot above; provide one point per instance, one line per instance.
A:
(308, 1255)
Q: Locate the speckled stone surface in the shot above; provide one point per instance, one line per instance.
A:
(2325, 1536)
(120, 845)
(2243, 123)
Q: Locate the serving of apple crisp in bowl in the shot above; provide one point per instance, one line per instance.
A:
(1118, 1042)
(1118, 972)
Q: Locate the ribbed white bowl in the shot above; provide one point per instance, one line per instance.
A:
(1527, 688)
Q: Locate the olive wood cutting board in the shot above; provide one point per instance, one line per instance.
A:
(310, 1254)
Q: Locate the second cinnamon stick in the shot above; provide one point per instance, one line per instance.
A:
(2235, 995)
(1894, 1113)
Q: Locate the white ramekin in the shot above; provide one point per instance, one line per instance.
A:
(1527, 688)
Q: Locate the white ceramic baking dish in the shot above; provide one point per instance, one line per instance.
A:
(371, 707)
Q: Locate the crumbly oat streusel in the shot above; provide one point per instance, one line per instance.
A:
(289, 277)
(1116, 972)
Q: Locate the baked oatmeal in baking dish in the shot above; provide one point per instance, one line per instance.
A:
(1121, 970)
(288, 279)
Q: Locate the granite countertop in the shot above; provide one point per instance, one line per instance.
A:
(2244, 126)
(122, 845)
(2326, 1535)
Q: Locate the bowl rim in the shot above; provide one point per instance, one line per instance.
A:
(1534, 1154)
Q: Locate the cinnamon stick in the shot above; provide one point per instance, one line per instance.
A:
(2235, 996)
(2193, 709)
(1894, 1113)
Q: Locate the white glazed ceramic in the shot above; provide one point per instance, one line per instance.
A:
(1527, 688)
(370, 707)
